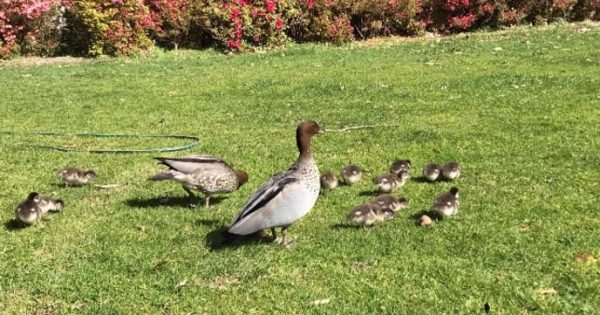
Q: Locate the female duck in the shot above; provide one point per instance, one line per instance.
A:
(287, 196)
(204, 173)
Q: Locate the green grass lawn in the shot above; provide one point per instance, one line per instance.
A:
(519, 109)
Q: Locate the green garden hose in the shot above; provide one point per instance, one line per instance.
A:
(195, 141)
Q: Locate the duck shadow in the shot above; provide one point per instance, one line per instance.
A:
(65, 186)
(219, 239)
(206, 222)
(368, 193)
(340, 226)
(430, 213)
(179, 201)
(422, 179)
(14, 225)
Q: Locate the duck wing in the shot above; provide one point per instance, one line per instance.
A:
(194, 163)
(266, 193)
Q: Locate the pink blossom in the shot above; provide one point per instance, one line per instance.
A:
(487, 8)
(235, 13)
(279, 24)
(270, 6)
(234, 44)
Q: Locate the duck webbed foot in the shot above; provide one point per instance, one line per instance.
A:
(284, 240)
(193, 199)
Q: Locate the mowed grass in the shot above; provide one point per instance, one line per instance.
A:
(519, 109)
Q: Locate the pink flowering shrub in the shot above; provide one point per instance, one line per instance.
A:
(108, 27)
(122, 27)
(29, 27)
(459, 15)
(586, 9)
(238, 25)
(313, 21)
(172, 21)
(385, 17)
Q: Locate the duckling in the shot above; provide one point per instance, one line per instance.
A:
(74, 176)
(46, 204)
(431, 172)
(391, 202)
(28, 212)
(400, 165)
(351, 174)
(390, 182)
(451, 170)
(447, 203)
(329, 181)
(367, 215)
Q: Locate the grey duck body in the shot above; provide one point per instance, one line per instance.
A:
(285, 197)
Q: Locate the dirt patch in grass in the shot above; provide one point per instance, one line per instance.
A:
(40, 61)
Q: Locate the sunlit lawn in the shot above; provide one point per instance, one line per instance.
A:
(520, 109)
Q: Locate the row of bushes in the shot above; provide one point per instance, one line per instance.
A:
(120, 27)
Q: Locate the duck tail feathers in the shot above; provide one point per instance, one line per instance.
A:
(162, 176)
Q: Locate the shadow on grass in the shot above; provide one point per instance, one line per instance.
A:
(14, 225)
(368, 193)
(430, 213)
(422, 179)
(181, 201)
(339, 226)
(219, 239)
(206, 222)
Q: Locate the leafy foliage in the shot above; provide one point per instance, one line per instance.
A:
(122, 27)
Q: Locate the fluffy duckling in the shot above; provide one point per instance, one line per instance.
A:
(204, 173)
(391, 202)
(329, 181)
(74, 176)
(447, 203)
(352, 174)
(47, 204)
(367, 215)
(390, 182)
(28, 212)
(400, 166)
(451, 170)
(285, 197)
(431, 172)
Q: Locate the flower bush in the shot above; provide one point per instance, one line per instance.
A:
(122, 27)
(29, 27)
(238, 25)
(172, 21)
(108, 27)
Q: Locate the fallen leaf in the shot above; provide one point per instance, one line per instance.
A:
(181, 284)
(547, 291)
(321, 302)
(160, 263)
(585, 258)
(78, 305)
